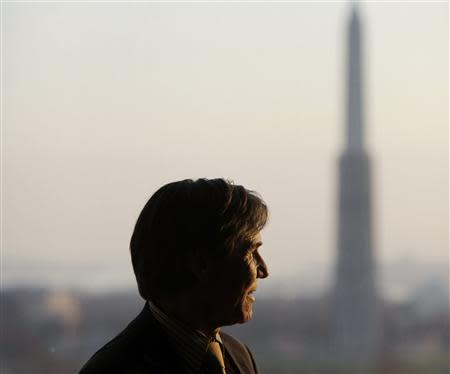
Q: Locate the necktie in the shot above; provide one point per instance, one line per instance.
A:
(214, 362)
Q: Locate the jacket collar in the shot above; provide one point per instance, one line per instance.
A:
(160, 357)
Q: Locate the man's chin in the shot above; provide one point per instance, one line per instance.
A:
(245, 311)
(246, 317)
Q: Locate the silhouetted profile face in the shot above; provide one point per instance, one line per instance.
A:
(232, 280)
(195, 250)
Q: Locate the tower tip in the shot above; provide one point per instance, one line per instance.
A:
(354, 12)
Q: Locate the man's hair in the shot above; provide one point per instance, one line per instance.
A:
(206, 218)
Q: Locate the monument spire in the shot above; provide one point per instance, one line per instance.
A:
(355, 309)
(354, 110)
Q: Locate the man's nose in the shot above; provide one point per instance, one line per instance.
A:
(262, 272)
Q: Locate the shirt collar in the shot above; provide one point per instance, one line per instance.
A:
(191, 344)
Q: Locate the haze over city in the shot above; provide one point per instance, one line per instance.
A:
(104, 103)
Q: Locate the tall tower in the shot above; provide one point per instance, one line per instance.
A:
(355, 311)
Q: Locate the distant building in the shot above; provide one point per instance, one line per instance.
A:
(65, 307)
(355, 316)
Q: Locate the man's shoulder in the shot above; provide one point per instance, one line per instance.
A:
(114, 356)
(132, 351)
(239, 352)
(117, 353)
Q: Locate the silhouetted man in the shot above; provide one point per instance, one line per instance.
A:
(195, 255)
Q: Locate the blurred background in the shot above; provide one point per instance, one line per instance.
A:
(102, 103)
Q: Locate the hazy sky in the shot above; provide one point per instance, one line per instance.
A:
(105, 102)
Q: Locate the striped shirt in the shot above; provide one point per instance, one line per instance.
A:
(190, 344)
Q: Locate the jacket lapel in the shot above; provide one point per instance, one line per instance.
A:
(239, 354)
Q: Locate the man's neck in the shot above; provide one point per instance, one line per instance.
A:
(189, 310)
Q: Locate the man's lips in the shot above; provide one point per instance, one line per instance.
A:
(250, 293)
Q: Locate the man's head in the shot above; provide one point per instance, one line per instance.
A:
(202, 235)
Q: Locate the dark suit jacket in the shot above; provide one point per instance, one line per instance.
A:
(143, 348)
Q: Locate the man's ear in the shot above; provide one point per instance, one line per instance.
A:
(198, 265)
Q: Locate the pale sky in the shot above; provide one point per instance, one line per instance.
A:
(105, 102)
